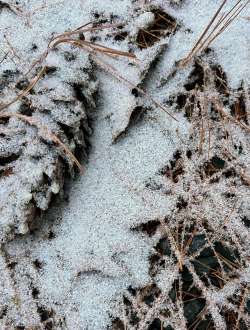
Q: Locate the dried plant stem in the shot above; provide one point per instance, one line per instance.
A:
(99, 48)
(26, 90)
(217, 25)
(44, 131)
(241, 307)
(207, 28)
(83, 29)
(110, 69)
(93, 49)
(223, 114)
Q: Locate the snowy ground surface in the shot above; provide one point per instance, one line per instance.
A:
(106, 233)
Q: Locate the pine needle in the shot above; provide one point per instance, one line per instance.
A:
(44, 131)
(217, 25)
(93, 49)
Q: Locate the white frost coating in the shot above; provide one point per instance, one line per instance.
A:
(94, 256)
(231, 47)
(142, 22)
(34, 171)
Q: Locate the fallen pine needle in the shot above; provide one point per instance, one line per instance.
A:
(93, 49)
(217, 25)
(45, 132)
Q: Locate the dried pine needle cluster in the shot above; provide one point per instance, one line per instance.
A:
(219, 23)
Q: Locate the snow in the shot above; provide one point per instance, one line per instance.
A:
(231, 47)
(94, 255)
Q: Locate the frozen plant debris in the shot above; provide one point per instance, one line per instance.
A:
(219, 23)
(161, 24)
(155, 234)
(43, 123)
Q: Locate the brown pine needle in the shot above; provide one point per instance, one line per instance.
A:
(91, 48)
(94, 46)
(26, 90)
(44, 131)
(217, 25)
(83, 29)
(151, 34)
(110, 69)
(241, 307)
(220, 110)
(208, 27)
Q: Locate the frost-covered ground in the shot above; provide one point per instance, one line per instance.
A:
(155, 233)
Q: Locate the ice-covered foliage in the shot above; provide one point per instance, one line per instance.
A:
(32, 166)
(155, 233)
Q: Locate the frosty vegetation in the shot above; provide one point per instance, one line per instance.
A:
(154, 234)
